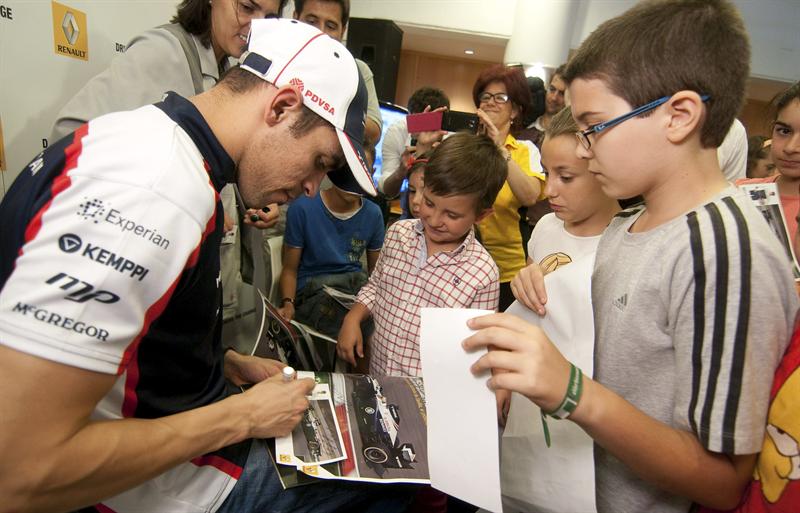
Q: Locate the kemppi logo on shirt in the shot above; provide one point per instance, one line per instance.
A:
(71, 243)
(319, 101)
(97, 211)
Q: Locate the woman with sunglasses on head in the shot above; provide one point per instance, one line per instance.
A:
(502, 96)
(186, 57)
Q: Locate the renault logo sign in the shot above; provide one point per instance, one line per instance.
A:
(70, 27)
(70, 37)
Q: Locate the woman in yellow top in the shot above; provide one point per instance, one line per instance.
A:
(502, 97)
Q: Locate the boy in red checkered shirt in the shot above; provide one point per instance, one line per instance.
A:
(433, 261)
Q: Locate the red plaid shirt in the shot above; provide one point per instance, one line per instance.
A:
(406, 279)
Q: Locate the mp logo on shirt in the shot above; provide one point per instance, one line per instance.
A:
(81, 291)
(69, 32)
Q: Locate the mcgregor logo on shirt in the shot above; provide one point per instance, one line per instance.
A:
(69, 32)
(100, 211)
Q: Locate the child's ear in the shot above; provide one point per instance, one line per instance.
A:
(286, 100)
(484, 214)
(686, 114)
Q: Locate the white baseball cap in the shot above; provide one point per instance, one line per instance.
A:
(283, 52)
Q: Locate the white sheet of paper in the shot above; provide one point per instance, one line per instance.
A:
(558, 479)
(463, 453)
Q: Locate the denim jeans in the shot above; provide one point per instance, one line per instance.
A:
(259, 490)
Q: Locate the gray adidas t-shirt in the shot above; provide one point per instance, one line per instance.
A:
(691, 320)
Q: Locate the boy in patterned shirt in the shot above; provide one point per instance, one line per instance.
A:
(433, 261)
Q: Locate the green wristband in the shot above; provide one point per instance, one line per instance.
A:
(569, 403)
(573, 395)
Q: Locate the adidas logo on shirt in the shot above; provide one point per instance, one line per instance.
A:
(621, 302)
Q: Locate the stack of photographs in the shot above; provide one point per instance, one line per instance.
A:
(767, 200)
(358, 428)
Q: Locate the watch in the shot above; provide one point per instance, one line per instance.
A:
(287, 300)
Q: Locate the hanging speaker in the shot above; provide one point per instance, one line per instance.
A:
(378, 43)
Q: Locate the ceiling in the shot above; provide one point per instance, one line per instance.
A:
(487, 47)
(491, 48)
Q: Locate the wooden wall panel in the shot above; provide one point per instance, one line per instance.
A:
(756, 118)
(454, 76)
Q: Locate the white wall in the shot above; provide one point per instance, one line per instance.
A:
(35, 81)
(773, 26)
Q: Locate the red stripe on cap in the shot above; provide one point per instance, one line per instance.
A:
(278, 76)
(102, 508)
(363, 168)
(60, 183)
(219, 463)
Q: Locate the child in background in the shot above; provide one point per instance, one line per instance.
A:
(433, 261)
(416, 181)
(581, 211)
(785, 151)
(325, 239)
(759, 160)
(692, 295)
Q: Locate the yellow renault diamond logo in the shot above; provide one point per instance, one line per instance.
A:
(69, 32)
(71, 29)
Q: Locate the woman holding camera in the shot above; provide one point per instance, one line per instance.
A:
(502, 96)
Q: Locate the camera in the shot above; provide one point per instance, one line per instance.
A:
(449, 120)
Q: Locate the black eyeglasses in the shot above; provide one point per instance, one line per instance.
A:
(499, 98)
(583, 135)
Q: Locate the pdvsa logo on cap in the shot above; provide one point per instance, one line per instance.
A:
(327, 107)
(69, 32)
(298, 84)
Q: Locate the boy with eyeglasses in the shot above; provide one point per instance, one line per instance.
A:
(693, 303)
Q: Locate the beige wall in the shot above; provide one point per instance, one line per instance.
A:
(454, 76)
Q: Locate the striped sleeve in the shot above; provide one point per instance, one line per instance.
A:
(733, 305)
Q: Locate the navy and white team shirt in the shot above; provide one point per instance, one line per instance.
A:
(109, 261)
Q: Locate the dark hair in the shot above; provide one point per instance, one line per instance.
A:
(195, 17)
(562, 124)
(784, 98)
(241, 81)
(660, 47)
(559, 72)
(756, 151)
(467, 164)
(516, 86)
(419, 163)
(369, 151)
(307, 121)
(344, 4)
(425, 96)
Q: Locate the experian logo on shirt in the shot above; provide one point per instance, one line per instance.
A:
(97, 211)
